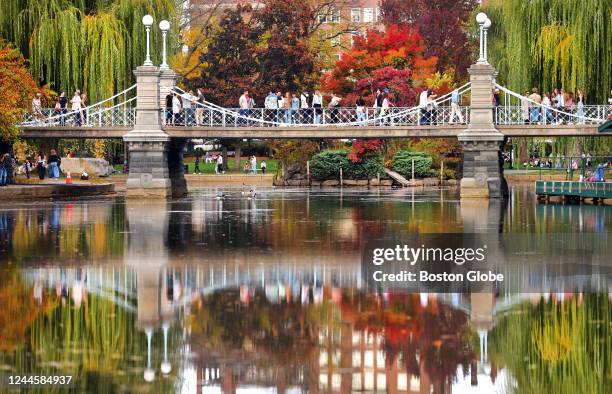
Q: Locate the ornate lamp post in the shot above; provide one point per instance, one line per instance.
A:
(164, 26)
(147, 21)
(486, 27)
(481, 19)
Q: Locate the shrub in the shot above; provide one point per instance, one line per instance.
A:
(402, 164)
(326, 164)
(369, 166)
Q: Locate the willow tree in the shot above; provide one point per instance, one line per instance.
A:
(554, 44)
(92, 45)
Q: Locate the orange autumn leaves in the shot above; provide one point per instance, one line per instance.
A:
(398, 49)
(16, 89)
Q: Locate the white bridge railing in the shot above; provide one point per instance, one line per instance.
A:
(101, 114)
(438, 112)
(521, 110)
(515, 110)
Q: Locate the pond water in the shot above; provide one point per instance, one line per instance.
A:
(219, 293)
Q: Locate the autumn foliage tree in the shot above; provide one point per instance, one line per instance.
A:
(442, 24)
(392, 60)
(16, 90)
(258, 50)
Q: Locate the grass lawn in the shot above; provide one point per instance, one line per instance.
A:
(209, 168)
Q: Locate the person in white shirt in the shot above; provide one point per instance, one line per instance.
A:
(188, 99)
(384, 109)
(317, 104)
(219, 168)
(425, 116)
(244, 102)
(176, 109)
(76, 107)
(334, 103)
(455, 110)
(305, 114)
(37, 107)
(199, 110)
(254, 164)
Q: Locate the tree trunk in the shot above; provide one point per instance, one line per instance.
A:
(225, 164)
(238, 147)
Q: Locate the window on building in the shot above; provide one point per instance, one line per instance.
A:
(368, 15)
(335, 15)
(355, 14)
(322, 17)
(377, 14)
(335, 40)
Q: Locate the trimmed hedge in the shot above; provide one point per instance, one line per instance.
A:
(368, 168)
(402, 164)
(326, 165)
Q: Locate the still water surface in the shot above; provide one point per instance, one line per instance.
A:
(231, 295)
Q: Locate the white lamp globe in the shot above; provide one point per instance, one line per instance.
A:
(487, 23)
(147, 20)
(166, 367)
(164, 25)
(149, 375)
(481, 18)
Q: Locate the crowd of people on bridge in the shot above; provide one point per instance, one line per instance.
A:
(554, 107)
(78, 108)
(191, 109)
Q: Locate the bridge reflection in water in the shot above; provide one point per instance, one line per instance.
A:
(203, 294)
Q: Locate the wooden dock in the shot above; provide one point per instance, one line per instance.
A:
(598, 191)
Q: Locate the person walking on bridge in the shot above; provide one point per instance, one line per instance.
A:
(455, 110)
(168, 111)
(189, 112)
(295, 109)
(580, 102)
(525, 107)
(244, 102)
(76, 107)
(271, 107)
(37, 107)
(199, 112)
(305, 113)
(287, 108)
(534, 107)
(63, 102)
(423, 103)
(360, 109)
(176, 109)
(334, 104)
(317, 105)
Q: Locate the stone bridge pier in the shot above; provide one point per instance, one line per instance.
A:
(155, 159)
(483, 174)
